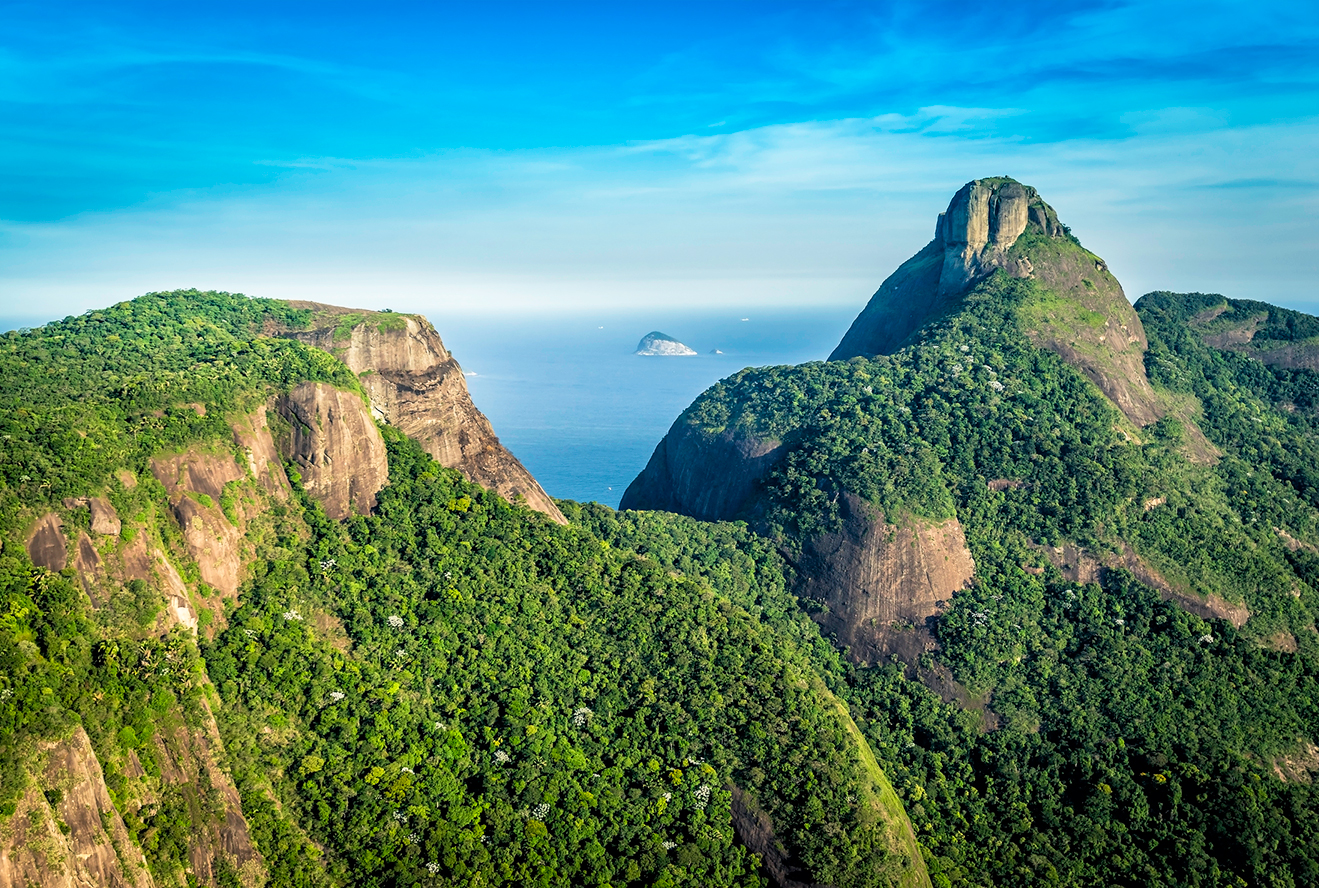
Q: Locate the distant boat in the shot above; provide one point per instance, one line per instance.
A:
(662, 344)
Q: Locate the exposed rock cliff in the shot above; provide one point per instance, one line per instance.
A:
(337, 447)
(195, 482)
(416, 385)
(46, 544)
(706, 478)
(880, 583)
(1081, 313)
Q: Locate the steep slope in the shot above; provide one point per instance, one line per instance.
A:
(1068, 547)
(875, 599)
(219, 628)
(416, 385)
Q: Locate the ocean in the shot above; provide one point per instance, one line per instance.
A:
(569, 398)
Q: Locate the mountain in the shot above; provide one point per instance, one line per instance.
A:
(255, 631)
(657, 343)
(1068, 547)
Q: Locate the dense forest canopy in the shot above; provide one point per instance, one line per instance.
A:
(453, 690)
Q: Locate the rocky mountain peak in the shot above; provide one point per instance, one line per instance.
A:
(982, 222)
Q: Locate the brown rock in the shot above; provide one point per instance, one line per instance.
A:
(212, 540)
(105, 520)
(337, 447)
(197, 472)
(96, 850)
(416, 385)
(46, 545)
(88, 565)
(881, 583)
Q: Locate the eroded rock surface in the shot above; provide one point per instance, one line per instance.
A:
(213, 540)
(252, 434)
(416, 385)
(46, 545)
(337, 447)
(93, 848)
(880, 584)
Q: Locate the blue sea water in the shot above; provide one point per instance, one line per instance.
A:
(569, 398)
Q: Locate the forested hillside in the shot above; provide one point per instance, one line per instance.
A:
(1018, 590)
(441, 689)
(1123, 690)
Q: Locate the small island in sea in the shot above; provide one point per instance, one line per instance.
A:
(657, 343)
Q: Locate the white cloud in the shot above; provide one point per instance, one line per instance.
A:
(794, 213)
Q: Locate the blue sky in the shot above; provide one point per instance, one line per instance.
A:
(554, 157)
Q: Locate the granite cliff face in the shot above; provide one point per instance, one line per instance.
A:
(707, 478)
(338, 449)
(66, 830)
(416, 385)
(882, 584)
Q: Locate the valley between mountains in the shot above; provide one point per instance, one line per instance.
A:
(1017, 588)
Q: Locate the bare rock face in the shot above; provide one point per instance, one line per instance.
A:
(708, 479)
(416, 386)
(195, 482)
(252, 434)
(982, 222)
(46, 545)
(93, 848)
(338, 449)
(880, 583)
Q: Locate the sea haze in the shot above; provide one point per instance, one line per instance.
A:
(583, 413)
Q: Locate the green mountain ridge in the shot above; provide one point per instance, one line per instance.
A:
(1018, 589)
(285, 646)
(1092, 462)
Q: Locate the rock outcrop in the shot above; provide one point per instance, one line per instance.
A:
(195, 482)
(46, 544)
(879, 584)
(417, 386)
(66, 831)
(972, 238)
(660, 344)
(334, 441)
(706, 478)
(1081, 314)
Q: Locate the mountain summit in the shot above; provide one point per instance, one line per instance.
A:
(1078, 309)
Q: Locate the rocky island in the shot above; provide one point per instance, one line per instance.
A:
(657, 343)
